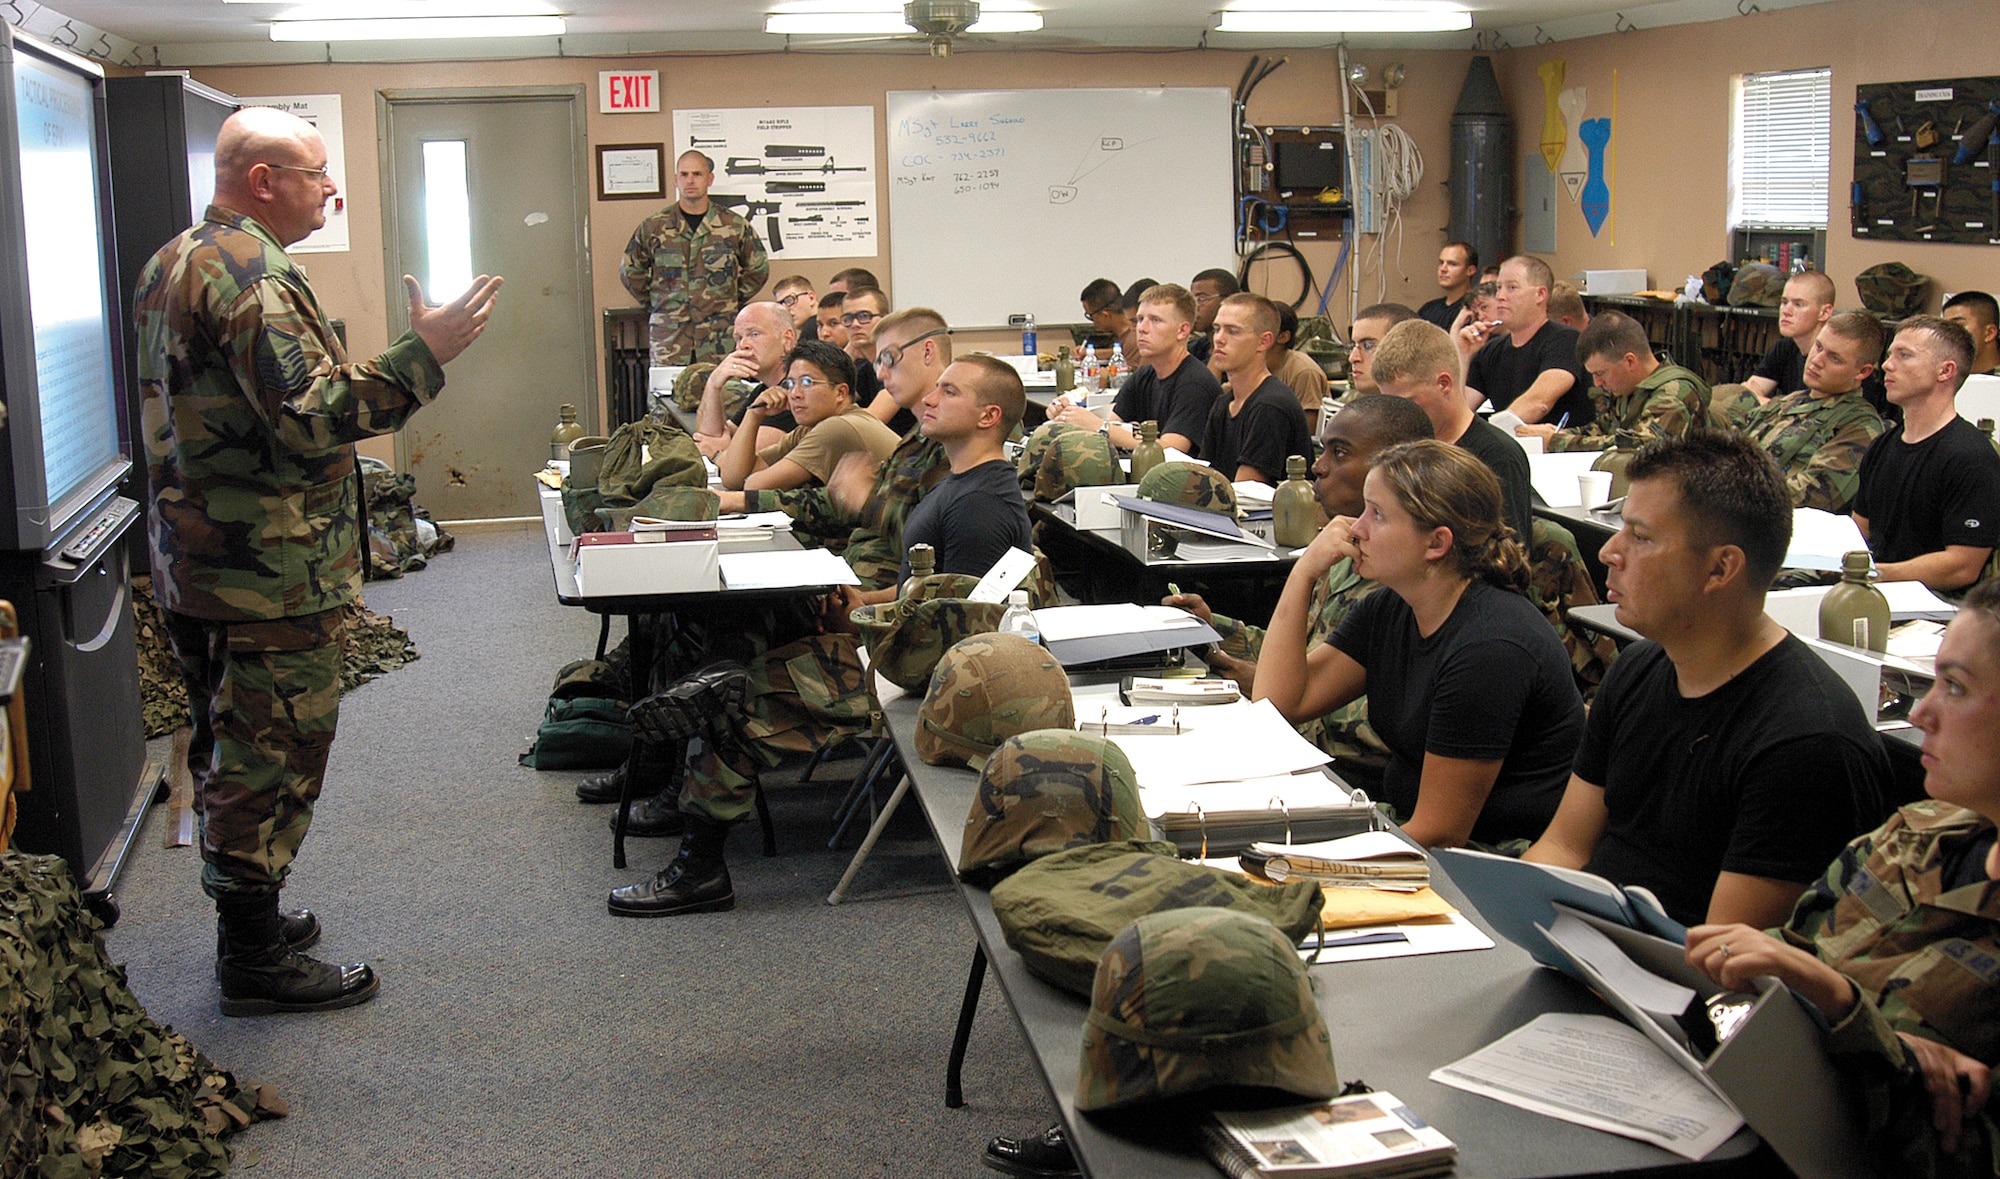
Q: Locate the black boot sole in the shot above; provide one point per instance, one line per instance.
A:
(240, 1007)
(713, 905)
(684, 709)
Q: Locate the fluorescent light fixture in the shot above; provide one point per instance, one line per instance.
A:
(888, 23)
(411, 9)
(415, 28)
(895, 6)
(1278, 17)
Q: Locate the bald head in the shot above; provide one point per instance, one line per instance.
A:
(270, 166)
(261, 135)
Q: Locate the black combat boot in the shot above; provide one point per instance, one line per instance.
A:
(297, 928)
(654, 816)
(697, 702)
(697, 881)
(656, 769)
(261, 973)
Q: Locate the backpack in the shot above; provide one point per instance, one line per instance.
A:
(586, 725)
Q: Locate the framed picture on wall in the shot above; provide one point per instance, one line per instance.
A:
(631, 171)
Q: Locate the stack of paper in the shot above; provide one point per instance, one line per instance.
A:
(1554, 476)
(1251, 494)
(1820, 539)
(803, 568)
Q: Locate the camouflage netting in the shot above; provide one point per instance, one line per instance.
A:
(376, 646)
(94, 1086)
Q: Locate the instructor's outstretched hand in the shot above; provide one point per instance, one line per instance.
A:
(450, 329)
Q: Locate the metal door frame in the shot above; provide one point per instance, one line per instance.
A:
(397, 301)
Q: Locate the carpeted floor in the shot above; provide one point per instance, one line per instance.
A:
(523, 1031)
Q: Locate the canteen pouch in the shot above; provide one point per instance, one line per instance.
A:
(1061, 911)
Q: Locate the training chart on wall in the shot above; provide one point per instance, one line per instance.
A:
(804, 177)
(1010, 201)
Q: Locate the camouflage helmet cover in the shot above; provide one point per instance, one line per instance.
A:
(1046, 791)
(1193, 484)
(1892, 289)
(1757, 284)
(688, 386)
(906, 638)
(1189, 1000)
(1031, 450)
(676, 502)
(986, 689)
(1073, 458)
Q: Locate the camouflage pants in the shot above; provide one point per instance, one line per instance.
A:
(674, 340)
(265, 697)
(803, 697)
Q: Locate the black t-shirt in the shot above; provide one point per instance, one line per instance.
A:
(1504, 372)
(1918, 498)
(1269, 428)
(782, 420)
(1180, 401)
(692, 220)
(1444, 314)
(1492, 682)
(866, 383)
(1786, 365)
(809, 330)
(1769, 775)
(903, 422)
(970, 518)
(1505, 458)
(1201, 346)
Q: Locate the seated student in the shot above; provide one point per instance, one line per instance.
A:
(1259, 425)
(830, 328)
(852, 278)
(1416, 360)
(1467, 683)
(794, 293)
(1300, 373)
(1168, 387)
(1723, 762)
(1895, 944)
(1104, 307)
(764, 341)
(1979, 314)
(1640, 399)
(1818, 434)
(1350, 440)
(1929, 495)
(973, 517)
(859, 311)
(1209, 289)
(1458, 274)
(1566, 305)
(819, 393)
(1518, 360)
(1370, 325)
(1805, 307)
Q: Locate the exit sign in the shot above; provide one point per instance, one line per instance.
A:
(620, 93)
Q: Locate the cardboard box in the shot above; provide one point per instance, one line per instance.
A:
(1613, 282)
(613, 565)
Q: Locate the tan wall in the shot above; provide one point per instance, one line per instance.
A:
(1671, 130)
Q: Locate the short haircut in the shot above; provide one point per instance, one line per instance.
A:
(1388, 420)
(1949, 341)
(1817, 285)
(1610, 336)
(1288, 325)
(791, 282)
(1221, 278)
(699, 155)
(1982, 306)
(1985, 598)
(875, 293)
(1395, 313)
(832, 362)
(1565, 301)
(1000, 385)
(916, 321)
(1263, 313)
(1130, 300)
(1471, 254)
(1539, 273)
(1490, 272)
(1100, 293)
(1864, 330)
(1731, 493)
(832, 299)
(1414, 348)
(1446, 486)
(1174, 295)
(855, 276)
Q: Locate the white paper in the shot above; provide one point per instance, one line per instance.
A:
(1819, 539)
(1251, 493)
(1641, 987)
(1597, 1071)
(1267, 792)
(1004, 578)
(1193, 549)
(804, 567)
(1175, 456)
(1554, 476)
(755, 521)
(1909, 598)
(1062, 623)
(1369, 845)
(1257, 743)
(1419, 937)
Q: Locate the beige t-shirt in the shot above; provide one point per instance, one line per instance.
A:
(1304, 376)
(819, 448)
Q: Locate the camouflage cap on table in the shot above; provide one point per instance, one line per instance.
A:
(689, 385)
(1892, 289)
(986, 689)
(1032, 448)
(1193, 484)
(1045, 791)
(679, 502)
(1070, 458)
(1195, 999)
(906, 638)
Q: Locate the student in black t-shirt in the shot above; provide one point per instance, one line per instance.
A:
(1724, 763)
(1467, 683)
(1458, 270)
(977, 513)
(1169, 387)
(1260, 424)
(1519, 360)
(764, 338)
(1804, 308)
(1929, 499)
(1370, 325)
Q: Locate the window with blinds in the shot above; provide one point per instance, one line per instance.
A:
(1780, 162)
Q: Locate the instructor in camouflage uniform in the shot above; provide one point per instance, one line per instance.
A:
(249, 409)
(693, 265)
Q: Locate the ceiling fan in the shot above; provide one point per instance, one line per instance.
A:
(938, 24)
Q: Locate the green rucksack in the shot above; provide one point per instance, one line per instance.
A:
(646, 453)
(586, 725)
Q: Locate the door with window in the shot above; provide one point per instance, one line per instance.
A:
(491, 181)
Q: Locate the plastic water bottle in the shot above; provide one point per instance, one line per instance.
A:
(1089, 382)
(1019, 619)
(1119, 371)
(1028, 336)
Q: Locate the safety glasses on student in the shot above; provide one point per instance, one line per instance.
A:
(892, 356)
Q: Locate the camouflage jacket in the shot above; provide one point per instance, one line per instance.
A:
(875, 544)
(693, 284)
(1818, 443)
(1663, 406)
(1343, 733)
(1923, 960)
(248, 406)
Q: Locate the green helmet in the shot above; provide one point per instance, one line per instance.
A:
(1757, 284)
(986, 689)
(677, 502)
(1190, 1000)
(906, 638)
(587, 677)
(1892, 289)
(1045, 791)
(1192, 484)
(688, 386)
(1031, 450)
(1065, 458)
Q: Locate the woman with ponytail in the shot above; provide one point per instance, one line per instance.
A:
(1466, 681)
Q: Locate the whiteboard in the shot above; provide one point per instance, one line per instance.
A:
(1010, 201)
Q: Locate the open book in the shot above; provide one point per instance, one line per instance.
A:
(1518, 899)
(1368, 1134)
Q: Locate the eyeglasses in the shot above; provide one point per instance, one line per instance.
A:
(892, 356)
(1205, 300)
(1101, 309)
(320, 171)
(806, 383)
(792, 298)
(1365, 345)
(859, 318)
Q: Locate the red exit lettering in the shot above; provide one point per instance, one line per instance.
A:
(630, 92)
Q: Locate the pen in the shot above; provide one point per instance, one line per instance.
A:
(1378, 938)
(1562, 421)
